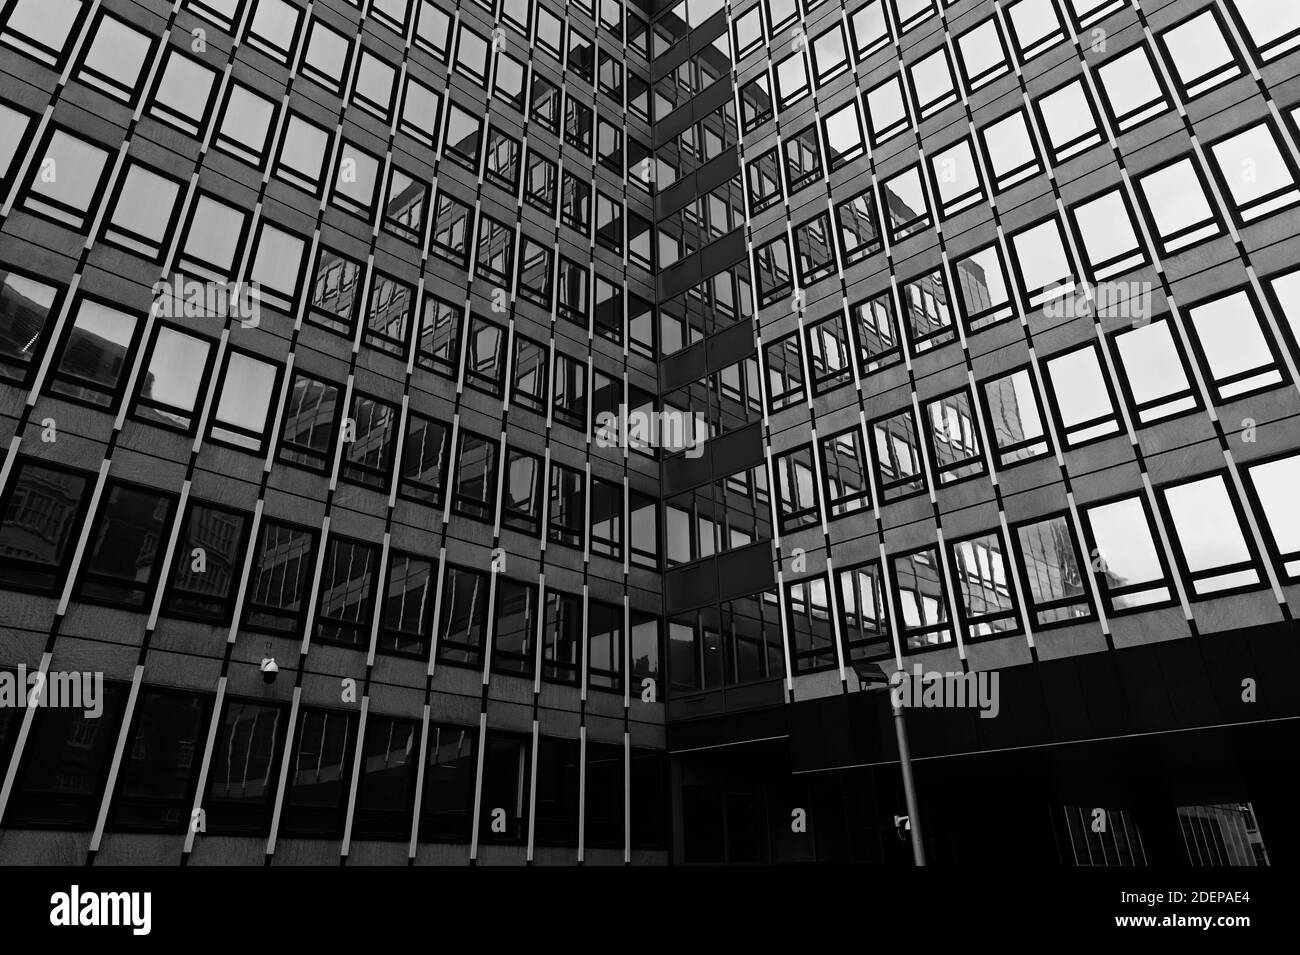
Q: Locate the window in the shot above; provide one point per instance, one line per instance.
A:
(336, 293)
(326, 60)
(308, 437)
(1274, 28)
(912, 12)
(42, 512)
(245, 127)
(1255, 173)
(357, 181)
(1131, 88)
(177, 369)
(956, 178)
(899, 465)
(25, 309)
(408, 606)
(604, 646)
(449, 771)
(1175, 200)
(784, 373)
(43, 28)
(986, 606)
(421, 112)
(213, 239)
(1234, 346)
(1034, 27)
(277, 269)
(406, 206)
(906, 210)
(1126, 561)
(566, 512)
(749, 32)
(1010, 149)
(453, 222)
(791, 80)
(797, 485)
(764, 178)
(1069, 121)
(461, 632)
(1110, 242)
(1082, 398)
(521, 506)
(815, 248)
(243, 411)
(507, 768)
(859, 228)
(572, 304)
(923, 615)
(302, 154)
(830, 57)
(158, 773)
(184, 92)
(390, 315)
(502, 167)
(869, 28)
(864, 614)
(755, 103)
(886, 112)
(1273, 484)
(495, 261)
(1200, 53)
(577, 124)
(386, 789)
(317, 790)
(96, 356)
(562, 629)
(15, 130)
(845, 462)
(983, 288)
(347, 592)
(1015, 418)
(606, 518)
(464, 136)
(274, 29)
(368, 443)
(68, 181)
(828, 357)
(433, 29)
(115, 58)
(124, 556)
(604, 799)
(1050, 563)
(932, 84)
(812, 637)
(63, 788)
(1213, 551)
(842, 129)
(1153, 372)
(438, 347)
(981, 54)
(803, 160)
(929, 319)
(424, 459)
(875, 330)
(245, 768)
(557, 797)
(954, 438)
(540, 183)
(474, 493)
(208, 564)
(772, 265)
(1043, 263)
(374, 85)
(283, 565)
(545, 104)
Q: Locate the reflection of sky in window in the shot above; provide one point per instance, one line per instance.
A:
(1009, 145)
(1252, 165)
(1197, 47)
(1276, 484)
(1124, 542)
(1206, 525)
(1080, 387)
(176, 368)
(1151, 361)
(1129, 81)
(1033, 20)
(145, 205)
(106, 323)
(1230, 335)
(275, 20)
(1042, 256)
(885, 105)
(185, 87)
(214, 233)
(246, 392)
(118, 51)
(1175, 197)
(46, 21)
(1067, 114)
(932, 77)
(1287, 289)
(956, 171)
(76, 169)
(1106, 227)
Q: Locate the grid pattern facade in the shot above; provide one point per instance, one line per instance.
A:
(308, 311)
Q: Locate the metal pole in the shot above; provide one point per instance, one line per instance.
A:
(909, 786)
